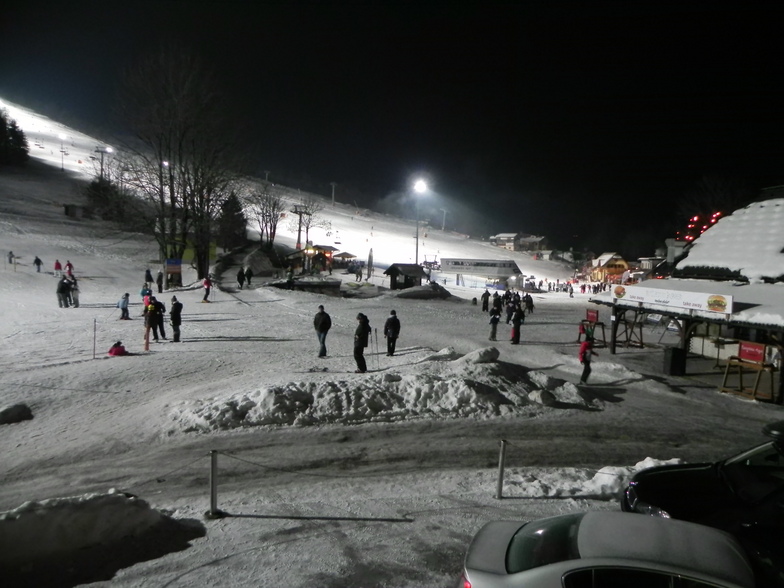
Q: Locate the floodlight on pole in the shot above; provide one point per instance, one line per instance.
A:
(102, 151)
(420, 187)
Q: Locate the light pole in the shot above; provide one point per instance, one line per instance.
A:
(420, 187)
(333, 184)
(443, 219)
(62, 152)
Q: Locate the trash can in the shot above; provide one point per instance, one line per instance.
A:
(675, 361)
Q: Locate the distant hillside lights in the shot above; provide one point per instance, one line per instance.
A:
(697, 227)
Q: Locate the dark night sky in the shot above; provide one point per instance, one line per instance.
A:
(563, 118)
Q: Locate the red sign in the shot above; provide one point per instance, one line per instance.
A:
(592, 316)
(754, 352)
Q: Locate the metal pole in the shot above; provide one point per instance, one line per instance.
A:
(416, 255)
(214, 512)
(95, 332)
(499, 492)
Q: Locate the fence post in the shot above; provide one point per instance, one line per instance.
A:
(499, 492)
(214, 513)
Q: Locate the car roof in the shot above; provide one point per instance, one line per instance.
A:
(681, 544)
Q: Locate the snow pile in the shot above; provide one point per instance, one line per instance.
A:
(605, 484)
(474, 385)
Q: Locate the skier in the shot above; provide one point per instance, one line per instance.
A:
(122, 304)
(391, 332)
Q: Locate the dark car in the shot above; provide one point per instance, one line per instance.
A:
(743, 494)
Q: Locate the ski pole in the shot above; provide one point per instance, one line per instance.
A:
(378, 361)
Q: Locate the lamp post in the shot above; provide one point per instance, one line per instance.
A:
(420, 187)
(333, 184)
(443, 219)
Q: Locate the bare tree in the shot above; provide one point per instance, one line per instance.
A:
(181, 154)
(266, 208)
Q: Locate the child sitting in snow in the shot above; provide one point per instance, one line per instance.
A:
(118, 349)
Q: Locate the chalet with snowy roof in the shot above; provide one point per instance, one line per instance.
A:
(725, 297)
(608, 267)
(505, 240)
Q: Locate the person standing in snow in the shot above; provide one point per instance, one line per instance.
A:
(175, 317)
(37, 263)
(586, 351)
(495, 318)
(58, 268)
(148, 276)
(248, 275)
(361, 337)
(391, 332)
(69, 268)
(122, 304)
(160, 313)
(518, 317)
(10, 258)
(207, 283)
(485, 300)
(240, 278)
(74, 292)
(159, 281)
(151, 320)
(322, 323)
(63, 287)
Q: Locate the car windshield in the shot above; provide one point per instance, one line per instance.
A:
(755, 473)
(543, 542)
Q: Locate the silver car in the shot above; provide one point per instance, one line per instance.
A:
(604, 550)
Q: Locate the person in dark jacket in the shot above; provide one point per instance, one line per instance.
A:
(392, 332)
(175, 317)
(240, 277)
(495, 318)
(361, 338)
(518, 317)
(160, 313)
(148, 276)
(152, 318)
(248, 275)
(63, 292)
(159, 281)
(485, 300)
(322, 323)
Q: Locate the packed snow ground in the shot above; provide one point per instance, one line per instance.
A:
(330, 478)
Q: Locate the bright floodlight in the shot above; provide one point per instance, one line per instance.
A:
(420, 186)
(109, 150)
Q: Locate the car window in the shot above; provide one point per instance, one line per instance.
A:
(543, 542)
(627, 578)
(756, 473)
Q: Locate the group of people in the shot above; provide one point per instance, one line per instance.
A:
(322, 323)
(67, 291)
(515, 306)
(244, 275)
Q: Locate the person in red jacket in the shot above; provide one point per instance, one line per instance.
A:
(207, 283)
(586, 351)
(118, 349)
(58, 268)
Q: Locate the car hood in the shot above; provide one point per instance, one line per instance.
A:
(686, 491)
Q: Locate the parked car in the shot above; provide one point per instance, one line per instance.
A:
(604, 550)
(743, 495)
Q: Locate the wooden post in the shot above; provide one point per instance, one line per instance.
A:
(499, 493)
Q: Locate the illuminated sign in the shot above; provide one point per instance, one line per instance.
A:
(687, 300)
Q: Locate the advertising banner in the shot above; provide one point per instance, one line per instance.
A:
(687, 300)
(754, 352)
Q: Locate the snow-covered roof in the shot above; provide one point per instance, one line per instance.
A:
(747, 243)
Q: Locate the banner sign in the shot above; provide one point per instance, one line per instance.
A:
(754, 352)
(173, 266)
(688, 300)
(592, 316)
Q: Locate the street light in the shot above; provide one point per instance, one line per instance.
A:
(420, 187)
(103, 150)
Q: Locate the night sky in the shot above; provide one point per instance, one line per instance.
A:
(583, 121)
